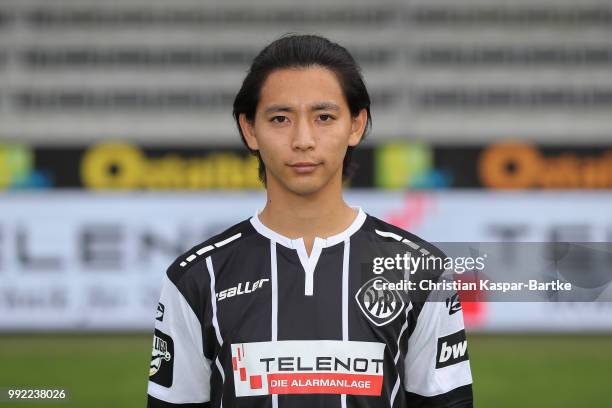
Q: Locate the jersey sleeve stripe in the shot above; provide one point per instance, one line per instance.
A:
(228, 240)
(388, 234)
(208, 248)
(205, 249)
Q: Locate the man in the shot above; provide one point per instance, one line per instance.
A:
(286, 308)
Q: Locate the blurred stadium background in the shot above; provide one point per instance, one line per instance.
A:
(492, 122)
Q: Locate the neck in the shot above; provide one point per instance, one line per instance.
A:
(320, 214)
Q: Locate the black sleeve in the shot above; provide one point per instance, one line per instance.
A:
(460, 397)
(153, 402)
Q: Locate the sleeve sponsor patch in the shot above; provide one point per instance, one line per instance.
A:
(452, 349)
(159, 315)
(453, 304)
(162, 359)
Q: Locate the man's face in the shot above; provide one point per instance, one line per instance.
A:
(302, 129)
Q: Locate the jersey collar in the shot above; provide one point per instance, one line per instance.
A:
(299, 242)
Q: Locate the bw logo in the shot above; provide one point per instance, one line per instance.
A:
(379, 305)
(452, 349)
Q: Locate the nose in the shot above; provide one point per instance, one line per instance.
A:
(303, 135)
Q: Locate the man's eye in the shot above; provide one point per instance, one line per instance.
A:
(325, 118)
(278, 119)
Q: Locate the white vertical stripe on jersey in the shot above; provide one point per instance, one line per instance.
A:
(274, 286)
(394, 392)
(213, 300)
(399, 338)
(345, 288)
(345, 296)
(220, 368)
(215, 322)
(404, 326)
(274, 281)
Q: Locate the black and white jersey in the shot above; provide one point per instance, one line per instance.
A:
(250, 319)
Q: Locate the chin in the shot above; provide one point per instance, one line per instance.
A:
(305, 188)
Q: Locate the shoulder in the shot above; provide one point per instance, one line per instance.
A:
(193, 261)
(387, 240)
(382, 232)
(428, 261)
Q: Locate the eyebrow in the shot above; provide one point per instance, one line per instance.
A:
(315, 107)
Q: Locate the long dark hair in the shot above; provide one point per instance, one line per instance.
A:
(300, 51)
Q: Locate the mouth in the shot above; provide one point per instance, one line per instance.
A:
(304, 167)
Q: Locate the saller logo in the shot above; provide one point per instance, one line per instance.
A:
(308, 367)
(452, 349)
(380, 306)
(240, 289)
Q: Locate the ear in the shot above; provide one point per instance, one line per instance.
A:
(248, 131)
(358, 124)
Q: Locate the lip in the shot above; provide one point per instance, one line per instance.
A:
(304, 167)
